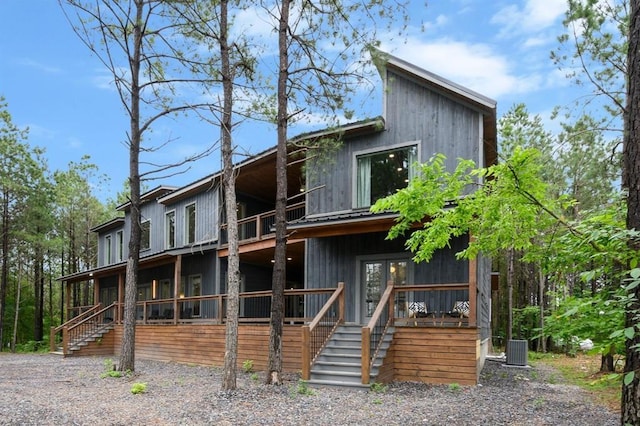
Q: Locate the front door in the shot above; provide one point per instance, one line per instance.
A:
(374, 275)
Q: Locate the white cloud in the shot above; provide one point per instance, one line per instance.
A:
(533, 17)
(476, 66)
(28, 62)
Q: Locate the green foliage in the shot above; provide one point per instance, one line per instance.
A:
(599, 318)
(302, 388)
(376, 387)
(138, 388)
(247, 365)
(593, 52)
(254, 377)
(33, 346)
(526, 322)
(455, 387)
(504, 212)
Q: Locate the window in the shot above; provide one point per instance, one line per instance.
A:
(119, 246)
(145, 235)
(170, 229)
(381, 174)
(190, 223)
(107, 250)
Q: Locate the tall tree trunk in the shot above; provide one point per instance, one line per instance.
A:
(542, 341)
(233, 261)
(127, 353)
(280, 255)
(4, 273)
(630, 409)
(510, 277)
(38, 281)
(16, 316)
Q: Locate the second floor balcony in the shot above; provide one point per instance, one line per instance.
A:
(261, 226)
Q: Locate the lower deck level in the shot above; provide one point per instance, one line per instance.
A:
(422, 354)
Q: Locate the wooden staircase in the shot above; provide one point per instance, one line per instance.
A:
(81, 331)
(340, 361)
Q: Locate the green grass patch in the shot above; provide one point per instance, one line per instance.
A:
(584, 371)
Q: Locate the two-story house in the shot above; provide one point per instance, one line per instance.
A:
(357, 307)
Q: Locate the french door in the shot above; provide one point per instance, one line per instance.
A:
(374, 275)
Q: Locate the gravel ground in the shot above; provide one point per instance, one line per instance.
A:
(50, 390)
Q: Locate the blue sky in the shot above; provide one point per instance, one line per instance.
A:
(62, 93)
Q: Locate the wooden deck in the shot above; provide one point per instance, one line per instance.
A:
(422, 354)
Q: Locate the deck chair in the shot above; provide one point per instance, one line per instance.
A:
(417, 309)
(460, 310)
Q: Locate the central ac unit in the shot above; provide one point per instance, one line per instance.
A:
(517, 352)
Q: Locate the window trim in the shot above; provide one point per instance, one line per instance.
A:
(371, 151)
(141, 231)
(186, 223)
(108, 248)
(166, 229)
(119, 246)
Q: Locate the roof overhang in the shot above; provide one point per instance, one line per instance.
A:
(145, 262)
(344, 224)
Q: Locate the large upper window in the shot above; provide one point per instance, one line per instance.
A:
(145, 235)
(170, 229)
(380, 174)
(190, 223)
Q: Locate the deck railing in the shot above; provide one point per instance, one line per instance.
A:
(87, 327)
(373, 333)
(260, 226)
(84, 313)
(433, 305)
(316, 334)
(254, 307)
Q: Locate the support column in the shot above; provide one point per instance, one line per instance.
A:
(177, 273)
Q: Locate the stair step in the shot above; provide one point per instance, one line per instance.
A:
(334, 383)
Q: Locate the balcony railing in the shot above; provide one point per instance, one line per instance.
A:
(301, 305)
(259, 227)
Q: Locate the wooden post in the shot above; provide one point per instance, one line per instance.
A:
(473, 292)
(341, 303)
(120, 298)
(306, 353)
(65, 341)
(96, 291)
(177, 273)
(390, 305)
(52, 339)
(366, 345)
(67, 317)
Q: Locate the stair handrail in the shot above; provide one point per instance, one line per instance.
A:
(67, 332)
(373, 333)
(309, 354)
(55, 330)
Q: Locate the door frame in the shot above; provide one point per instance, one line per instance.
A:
(387, 257)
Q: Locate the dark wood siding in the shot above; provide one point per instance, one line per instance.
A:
(413, 114)
(332, 260)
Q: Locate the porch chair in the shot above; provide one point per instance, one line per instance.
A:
(460, 310)
(416, 309)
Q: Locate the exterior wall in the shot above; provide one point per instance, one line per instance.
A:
(335, 259)
(207, 220)
(435, 355)
(413, 114)
(205, 344)
(102, 246)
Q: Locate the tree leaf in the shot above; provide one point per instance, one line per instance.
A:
(629, 332)
(628, 378)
